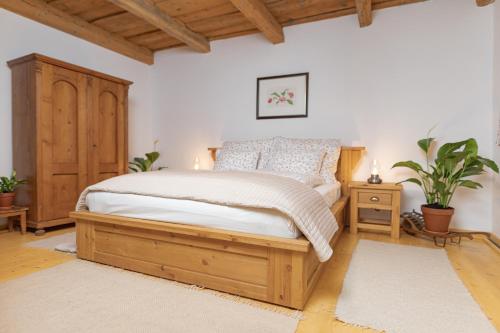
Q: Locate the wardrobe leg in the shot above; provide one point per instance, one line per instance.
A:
(39, 232)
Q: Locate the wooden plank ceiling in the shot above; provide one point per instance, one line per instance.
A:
(138, 28)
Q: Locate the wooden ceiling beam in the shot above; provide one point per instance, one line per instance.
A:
(364, 9)
(482, 3)
(148, 11)
(44, 13)
(257, 13)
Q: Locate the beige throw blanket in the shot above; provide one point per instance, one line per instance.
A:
(301, 203)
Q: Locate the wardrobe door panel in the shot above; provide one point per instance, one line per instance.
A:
(63, 140)
(108, 122)
(66, 191)
(64, 122)
(108, 132)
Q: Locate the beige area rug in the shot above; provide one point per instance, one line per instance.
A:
(81, 296)
(407, 289)
(64, 243)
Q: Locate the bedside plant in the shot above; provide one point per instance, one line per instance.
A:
(7, 187)
(140, 164)
(454, 164)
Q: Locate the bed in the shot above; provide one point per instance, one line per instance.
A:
(276, 269)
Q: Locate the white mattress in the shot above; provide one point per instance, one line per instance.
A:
(267, 222)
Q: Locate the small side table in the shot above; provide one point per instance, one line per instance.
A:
(15, 212)
(386, 196)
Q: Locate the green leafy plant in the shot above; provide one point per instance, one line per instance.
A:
(9, 184)
(140, 164)
(455, 162)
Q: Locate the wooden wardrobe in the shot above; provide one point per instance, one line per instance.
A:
(69, 128)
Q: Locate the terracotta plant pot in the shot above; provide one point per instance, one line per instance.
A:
(7, 200)
(437, 220)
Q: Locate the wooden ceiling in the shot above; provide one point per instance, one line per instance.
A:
(138, 28)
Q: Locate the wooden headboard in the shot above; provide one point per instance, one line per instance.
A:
(349, 158)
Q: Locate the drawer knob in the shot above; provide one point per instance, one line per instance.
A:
(374, 199)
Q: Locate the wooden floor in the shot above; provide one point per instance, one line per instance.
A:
(476, 262)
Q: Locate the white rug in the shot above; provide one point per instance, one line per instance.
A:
(81, 296)
(64, 243)
(407, 289)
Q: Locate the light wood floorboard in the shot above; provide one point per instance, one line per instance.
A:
(476, 262)
(17, 260)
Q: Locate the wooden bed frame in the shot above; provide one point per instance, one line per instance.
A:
(271, 269)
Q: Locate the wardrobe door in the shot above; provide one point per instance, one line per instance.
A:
(108, 132)
(63, 141)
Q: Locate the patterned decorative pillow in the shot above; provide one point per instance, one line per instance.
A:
(236, 160)
(296, 161)
(263, 146)
(330, 146)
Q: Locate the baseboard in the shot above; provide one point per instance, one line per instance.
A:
(489, 238)
(486, 233)
(494, 239)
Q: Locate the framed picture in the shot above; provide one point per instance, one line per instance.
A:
(283, 96)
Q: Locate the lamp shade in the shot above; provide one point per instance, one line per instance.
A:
(196, 163)
(375, 167)
(374, 172)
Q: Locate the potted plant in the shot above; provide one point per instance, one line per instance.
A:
(7, 188)
(455, 162)
(140, 164)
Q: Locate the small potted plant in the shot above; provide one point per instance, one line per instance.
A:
(454, 164)
(7, 187)
(140, 164)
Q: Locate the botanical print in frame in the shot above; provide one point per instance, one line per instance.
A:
(283, 96)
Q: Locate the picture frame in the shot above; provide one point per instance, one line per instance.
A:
(283, 96)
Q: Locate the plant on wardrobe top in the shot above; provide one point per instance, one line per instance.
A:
(9, 184)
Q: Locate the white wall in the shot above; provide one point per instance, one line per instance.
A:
(383, 86)
(496, 121)
(20, 36)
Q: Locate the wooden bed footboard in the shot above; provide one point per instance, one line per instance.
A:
(271, 269)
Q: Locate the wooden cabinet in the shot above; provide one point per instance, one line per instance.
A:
(380, 197)
(69, 131)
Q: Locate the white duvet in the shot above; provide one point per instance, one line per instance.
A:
(258, 221)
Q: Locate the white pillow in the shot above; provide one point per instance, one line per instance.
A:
(297, 161)
(236, 160)
(332, 148)
(263, 146)
(309, 180)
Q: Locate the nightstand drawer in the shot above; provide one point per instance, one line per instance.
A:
(375, 197)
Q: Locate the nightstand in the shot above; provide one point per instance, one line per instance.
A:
(379, 197)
